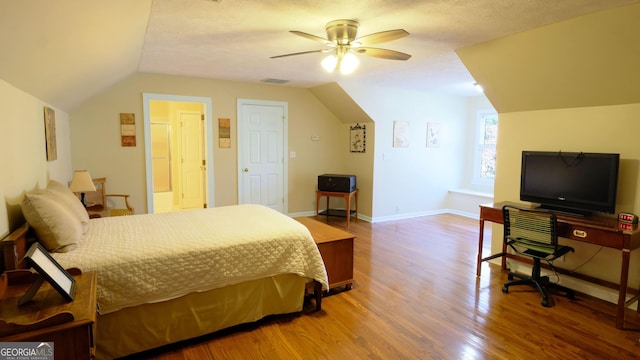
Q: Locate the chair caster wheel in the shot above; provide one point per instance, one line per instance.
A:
(505, 289)
(545, 303)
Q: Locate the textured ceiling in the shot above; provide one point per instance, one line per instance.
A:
(234, 39)
(69, 50)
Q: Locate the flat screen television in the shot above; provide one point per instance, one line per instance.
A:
(579, 183)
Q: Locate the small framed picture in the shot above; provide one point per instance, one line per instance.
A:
(51, 271)
(433, 135)
(401, 134)
(358, 138)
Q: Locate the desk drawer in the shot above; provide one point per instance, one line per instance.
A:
(604, 237)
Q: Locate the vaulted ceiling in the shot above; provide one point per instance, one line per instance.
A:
(66, 51)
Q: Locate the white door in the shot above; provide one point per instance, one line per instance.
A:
(261, 149)
(192, 162)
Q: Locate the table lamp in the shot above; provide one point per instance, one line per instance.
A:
(81, 183)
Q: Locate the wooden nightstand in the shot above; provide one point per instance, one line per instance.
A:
(48, 317)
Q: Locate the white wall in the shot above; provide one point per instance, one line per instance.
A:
(23, 152)
(466, 199)
(415, 180)
(476, 104)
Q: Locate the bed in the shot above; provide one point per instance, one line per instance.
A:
(168, 277)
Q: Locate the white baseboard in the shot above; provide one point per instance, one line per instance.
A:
(423, 213)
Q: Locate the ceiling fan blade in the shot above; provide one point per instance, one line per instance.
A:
(383, 36)
(312, 37)
(301, 53)
(382, 53)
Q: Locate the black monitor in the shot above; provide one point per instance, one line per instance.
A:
(573, 182)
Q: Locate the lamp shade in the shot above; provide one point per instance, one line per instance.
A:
(81, 182)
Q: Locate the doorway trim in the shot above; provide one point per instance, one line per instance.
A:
(146, 100)
(285, 145)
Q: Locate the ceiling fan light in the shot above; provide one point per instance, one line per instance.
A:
(329, 63)
(349, 64)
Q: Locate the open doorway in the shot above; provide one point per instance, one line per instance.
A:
(178, 152)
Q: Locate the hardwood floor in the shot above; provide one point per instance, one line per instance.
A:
(416, 296)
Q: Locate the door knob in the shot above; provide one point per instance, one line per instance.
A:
(245, 169)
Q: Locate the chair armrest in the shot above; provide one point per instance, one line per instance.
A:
(126, 200)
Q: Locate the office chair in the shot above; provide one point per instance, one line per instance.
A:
(532, 233)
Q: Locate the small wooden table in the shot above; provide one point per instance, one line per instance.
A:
(48, 317)
(346, 196)
(336, 248)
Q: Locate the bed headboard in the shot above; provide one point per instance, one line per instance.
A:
(14, 246)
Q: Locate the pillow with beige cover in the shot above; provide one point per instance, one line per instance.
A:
(58, 229)
(70, 201)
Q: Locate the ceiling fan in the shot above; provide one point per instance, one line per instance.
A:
(342, 42)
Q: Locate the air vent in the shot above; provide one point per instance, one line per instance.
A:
(275, 81)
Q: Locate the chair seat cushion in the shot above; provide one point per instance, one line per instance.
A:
(545, 253)
(121, 212)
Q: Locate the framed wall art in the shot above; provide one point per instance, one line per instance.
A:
(401, 134)
(128, 129)
(433, 135)
(358, 138)
(224, 132)
(50, 133)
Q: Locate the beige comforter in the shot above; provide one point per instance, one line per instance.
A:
(151, 258)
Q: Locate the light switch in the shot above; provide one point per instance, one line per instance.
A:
(292, 154)
(315, 137)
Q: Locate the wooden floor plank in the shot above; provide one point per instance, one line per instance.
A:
(416, 296)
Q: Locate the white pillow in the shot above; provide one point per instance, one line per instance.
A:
(57, 228)
(70, 201)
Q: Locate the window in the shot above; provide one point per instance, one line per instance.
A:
(485, 148)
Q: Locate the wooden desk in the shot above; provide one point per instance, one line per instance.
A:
(345, 195)
(597, 230)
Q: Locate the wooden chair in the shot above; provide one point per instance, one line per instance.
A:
(98, 201)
